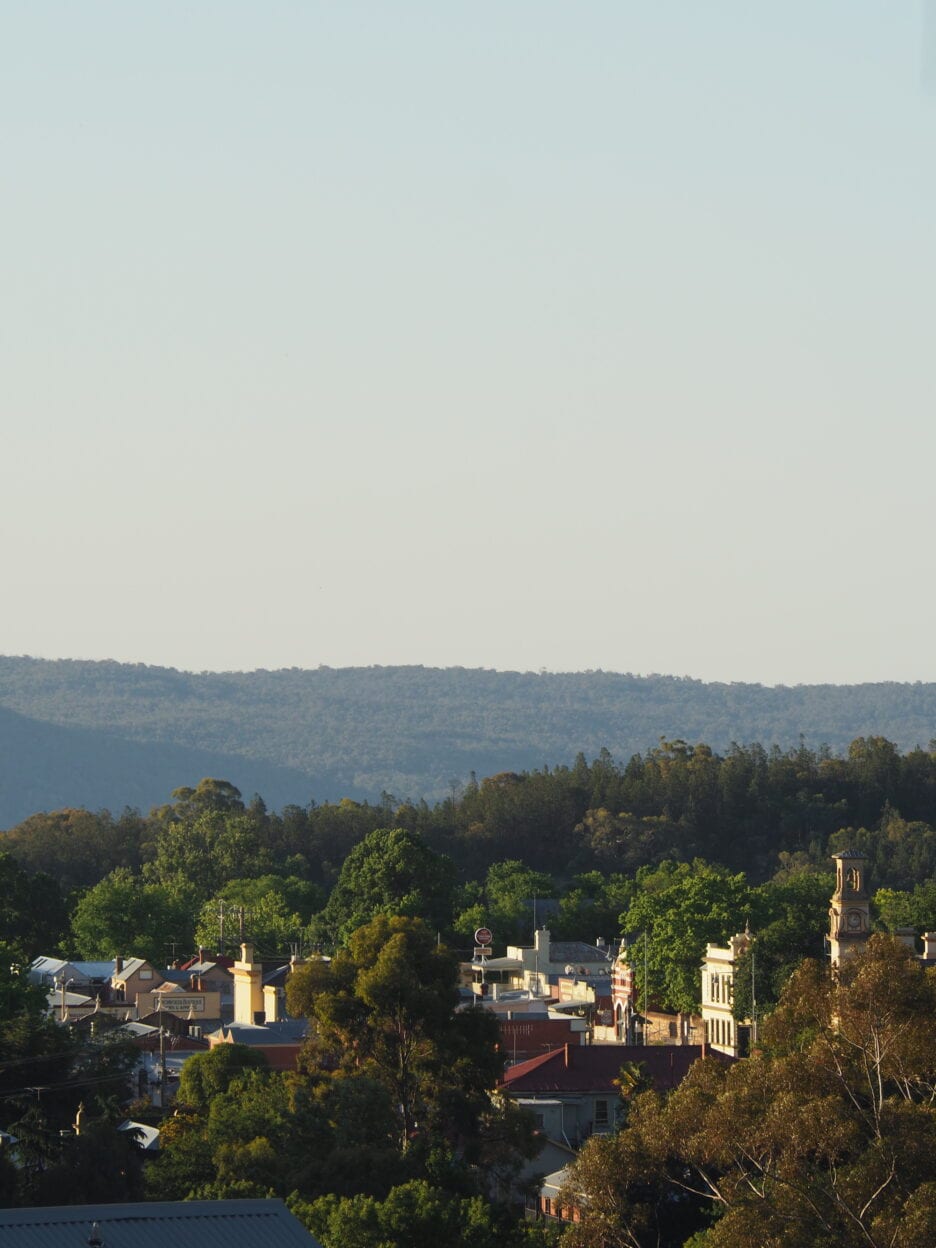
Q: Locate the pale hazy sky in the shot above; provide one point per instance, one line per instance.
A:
(520, 334)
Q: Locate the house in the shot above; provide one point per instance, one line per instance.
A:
(547, 1204)
(213, 975)
(530, 1035)
(630, 1026)
(173, 998)
(132, 976)
(259, 1014)
(574, 1090)
(535, 967)
(52, 972)
(723, 1032)
(65, 1005)
(184, 1224)
(587, 997)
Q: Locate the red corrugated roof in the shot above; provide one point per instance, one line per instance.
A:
(594, 1067)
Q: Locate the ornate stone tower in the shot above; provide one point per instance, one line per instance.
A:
(849, 917)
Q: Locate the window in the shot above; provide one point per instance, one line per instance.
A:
(601, 1113)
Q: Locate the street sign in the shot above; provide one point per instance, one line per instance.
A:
(482, 951)
(483, 936)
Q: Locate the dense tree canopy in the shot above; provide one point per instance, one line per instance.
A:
(679, 908)
(823, 1137)
(392, 871)
(123, 914)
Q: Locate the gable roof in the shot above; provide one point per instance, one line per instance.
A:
(184, 1224)
(286, 1031)
(131, 966)
(145, 1136)
(577, 951)
(45, 968)
(206, 968)
(592, 1068)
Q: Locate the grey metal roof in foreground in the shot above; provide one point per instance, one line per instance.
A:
(181, 1223)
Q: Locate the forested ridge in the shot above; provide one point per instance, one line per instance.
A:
(81, 733)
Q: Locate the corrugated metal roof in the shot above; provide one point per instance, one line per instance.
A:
(575, 951)
(184, 1224)
(130, 966)
(593, 1068)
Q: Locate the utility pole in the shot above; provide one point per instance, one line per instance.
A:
(646, 996)
(221, 930)
(535, 949)
(162, 1061)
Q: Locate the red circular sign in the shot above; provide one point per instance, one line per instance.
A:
(483, 936)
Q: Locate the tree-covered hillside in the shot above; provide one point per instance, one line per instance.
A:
(356, 732)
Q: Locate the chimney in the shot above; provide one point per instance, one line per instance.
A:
(248, 986)
(929, 945)
(907, 936)
(118, 964)
(271, 1004)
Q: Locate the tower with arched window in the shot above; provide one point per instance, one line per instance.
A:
(850, 911)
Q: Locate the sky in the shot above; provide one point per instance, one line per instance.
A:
(519, 335)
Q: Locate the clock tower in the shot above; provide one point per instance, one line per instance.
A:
(849, 916)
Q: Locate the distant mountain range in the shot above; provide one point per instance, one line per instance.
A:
(94, 734)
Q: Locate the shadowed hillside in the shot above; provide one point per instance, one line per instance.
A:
(46, 767)
(104, 733)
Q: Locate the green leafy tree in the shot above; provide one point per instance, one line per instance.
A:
(413, 1215)
(505, 902)
(77, 847)
(210, 796)
(206, 1075)
(384, 1007)
(592, 905)
(125, 914)
(392, 871)
(789, 920)
(32, 910)
(902, 908)
(206, 849)
(682, 907)
(277, 911)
